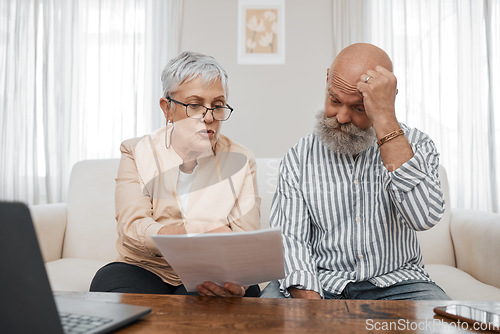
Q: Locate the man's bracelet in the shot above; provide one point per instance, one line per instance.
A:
(390, 136)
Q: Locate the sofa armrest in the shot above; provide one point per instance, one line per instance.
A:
(476, 236)
(50, 226)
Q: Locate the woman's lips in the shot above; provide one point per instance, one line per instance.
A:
(207, 133)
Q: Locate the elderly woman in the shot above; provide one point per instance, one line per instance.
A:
(184, 178)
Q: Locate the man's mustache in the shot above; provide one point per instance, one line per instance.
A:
(333, 123)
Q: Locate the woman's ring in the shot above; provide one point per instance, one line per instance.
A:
(367, 78)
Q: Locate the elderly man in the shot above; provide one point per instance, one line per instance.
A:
(352, 194)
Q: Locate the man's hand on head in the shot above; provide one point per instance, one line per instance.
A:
(379, 95)
(379, 89)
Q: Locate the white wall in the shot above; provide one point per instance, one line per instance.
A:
(274, 104)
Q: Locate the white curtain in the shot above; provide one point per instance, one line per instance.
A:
(446, 56)
(77, 77)
(349, 23)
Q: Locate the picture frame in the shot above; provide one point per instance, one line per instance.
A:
(261, 32)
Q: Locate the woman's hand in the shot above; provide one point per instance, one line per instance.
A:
(229, 290)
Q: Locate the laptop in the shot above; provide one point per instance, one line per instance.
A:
(27, 303)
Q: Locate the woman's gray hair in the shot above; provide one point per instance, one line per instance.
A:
(188, 66)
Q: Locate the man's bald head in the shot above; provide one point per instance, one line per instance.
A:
(355, 60)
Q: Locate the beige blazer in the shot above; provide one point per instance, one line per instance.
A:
(224, 192)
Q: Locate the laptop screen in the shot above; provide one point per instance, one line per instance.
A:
(27, 301)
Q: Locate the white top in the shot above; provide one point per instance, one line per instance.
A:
(184, 183)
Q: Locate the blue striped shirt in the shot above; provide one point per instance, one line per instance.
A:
(350, 220)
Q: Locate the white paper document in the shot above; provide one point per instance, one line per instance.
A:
(244, 258)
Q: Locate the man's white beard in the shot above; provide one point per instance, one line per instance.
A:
(343, 138)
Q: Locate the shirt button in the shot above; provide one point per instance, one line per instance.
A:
(358, 219)
(356, 182)
(360, 256)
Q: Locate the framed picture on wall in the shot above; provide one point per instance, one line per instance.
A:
(261, 31)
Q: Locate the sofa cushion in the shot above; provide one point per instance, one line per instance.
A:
(50, 225)
(267, 179)
(72, 274)
(476, 238)
(91, 226)
(460, 285)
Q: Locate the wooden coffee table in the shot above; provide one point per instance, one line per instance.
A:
(189, 314)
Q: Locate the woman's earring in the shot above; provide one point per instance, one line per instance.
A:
(168, 138)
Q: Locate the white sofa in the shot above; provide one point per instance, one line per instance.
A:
(78, 237)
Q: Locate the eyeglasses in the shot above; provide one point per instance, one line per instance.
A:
(219, 113)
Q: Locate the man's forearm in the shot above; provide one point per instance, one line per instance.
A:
(395, 152)
(304, 294)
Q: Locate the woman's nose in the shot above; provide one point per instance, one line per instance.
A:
(209, 117)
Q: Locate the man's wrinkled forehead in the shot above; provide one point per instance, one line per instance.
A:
(344, 86)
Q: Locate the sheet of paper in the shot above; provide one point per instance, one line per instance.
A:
(245, 258)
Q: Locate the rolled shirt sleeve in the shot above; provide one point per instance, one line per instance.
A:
(414, 188)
